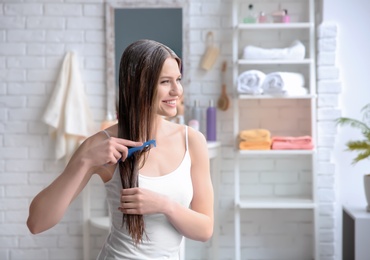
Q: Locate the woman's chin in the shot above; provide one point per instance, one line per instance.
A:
(168, 113)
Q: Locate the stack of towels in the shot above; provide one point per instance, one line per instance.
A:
(296, 51)
(260, 139)
(255, 139)
(292, 143)
(255, 82)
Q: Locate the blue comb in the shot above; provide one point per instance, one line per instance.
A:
(139, 148)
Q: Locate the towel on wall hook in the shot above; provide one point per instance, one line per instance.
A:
(67, 113)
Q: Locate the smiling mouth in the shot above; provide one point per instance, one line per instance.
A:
(170, 102)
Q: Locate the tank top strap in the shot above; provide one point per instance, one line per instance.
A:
(186, 138)
(106, 133)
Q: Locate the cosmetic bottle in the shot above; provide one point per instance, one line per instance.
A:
(262, 18)
(251, 16)
(211, 122)
(277, 16)
(194, 124)
(196, 116)
(286, 17)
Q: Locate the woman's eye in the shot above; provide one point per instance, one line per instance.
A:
(179, 79)
(165, 82)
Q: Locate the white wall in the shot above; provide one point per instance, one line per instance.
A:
(354, 65)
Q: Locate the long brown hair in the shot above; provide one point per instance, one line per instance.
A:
(140, 67)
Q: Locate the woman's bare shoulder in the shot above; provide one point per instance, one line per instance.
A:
(197, 143)
(112, 130)
(196, 136)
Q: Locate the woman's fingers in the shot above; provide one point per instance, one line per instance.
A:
(128, 205)
(118, 148)
(114, 157)
(122, 146)
(127, 143)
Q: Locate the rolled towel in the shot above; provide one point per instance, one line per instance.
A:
(250, 82)
(258, 145)
(296, 51)
(255, 135)
(292, 143)
(284, 83)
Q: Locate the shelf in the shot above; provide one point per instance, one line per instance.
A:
(212, 149)
(258, 26)
(263, 96)
(357, 212)
(274, 62)
(265, 35)
(276, 203)
(355, 232)
(276, 152)
(101, 222)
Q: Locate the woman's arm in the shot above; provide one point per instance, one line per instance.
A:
(49, 206)
(196, 223)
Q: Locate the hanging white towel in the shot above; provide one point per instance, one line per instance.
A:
(67, 113)
(286, 83)
(250, 82)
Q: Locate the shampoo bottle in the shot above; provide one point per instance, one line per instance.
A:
(196, 116)
(211, 122)
(251, 16)
(286, 17)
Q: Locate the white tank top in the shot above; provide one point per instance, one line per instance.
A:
(163, 240)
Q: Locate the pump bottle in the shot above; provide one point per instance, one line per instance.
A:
(211, 122)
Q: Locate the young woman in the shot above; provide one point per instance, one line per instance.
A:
(160, 193)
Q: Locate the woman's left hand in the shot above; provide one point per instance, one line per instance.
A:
(141, 201)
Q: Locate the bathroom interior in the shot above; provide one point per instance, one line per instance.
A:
(295, 195)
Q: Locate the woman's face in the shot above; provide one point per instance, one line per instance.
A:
(169, 88)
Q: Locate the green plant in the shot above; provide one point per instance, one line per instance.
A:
(362, 147)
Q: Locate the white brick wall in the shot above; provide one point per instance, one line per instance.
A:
(328, 88)
(34, 37)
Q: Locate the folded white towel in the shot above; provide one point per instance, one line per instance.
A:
(250, 82)
(327, 30)
(284, 83)
(68, 114)
(296, 51)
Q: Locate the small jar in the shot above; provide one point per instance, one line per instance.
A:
(262, 18)
(286, 17)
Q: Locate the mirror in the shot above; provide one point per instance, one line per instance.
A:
(125, 23)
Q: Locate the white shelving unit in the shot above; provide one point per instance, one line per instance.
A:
(301, 25)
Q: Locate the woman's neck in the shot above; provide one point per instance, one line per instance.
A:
(161, 128)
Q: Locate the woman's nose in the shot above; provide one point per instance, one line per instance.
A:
(176, 89)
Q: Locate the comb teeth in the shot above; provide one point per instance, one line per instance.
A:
(139, 148)
(150, 142)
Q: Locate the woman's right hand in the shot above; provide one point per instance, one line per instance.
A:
(49, 206)
(101, 150)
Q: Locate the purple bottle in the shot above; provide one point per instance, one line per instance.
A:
(211, 122)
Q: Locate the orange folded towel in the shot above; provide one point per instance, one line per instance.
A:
(294, 143)
(255, 135)
(256, 145)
